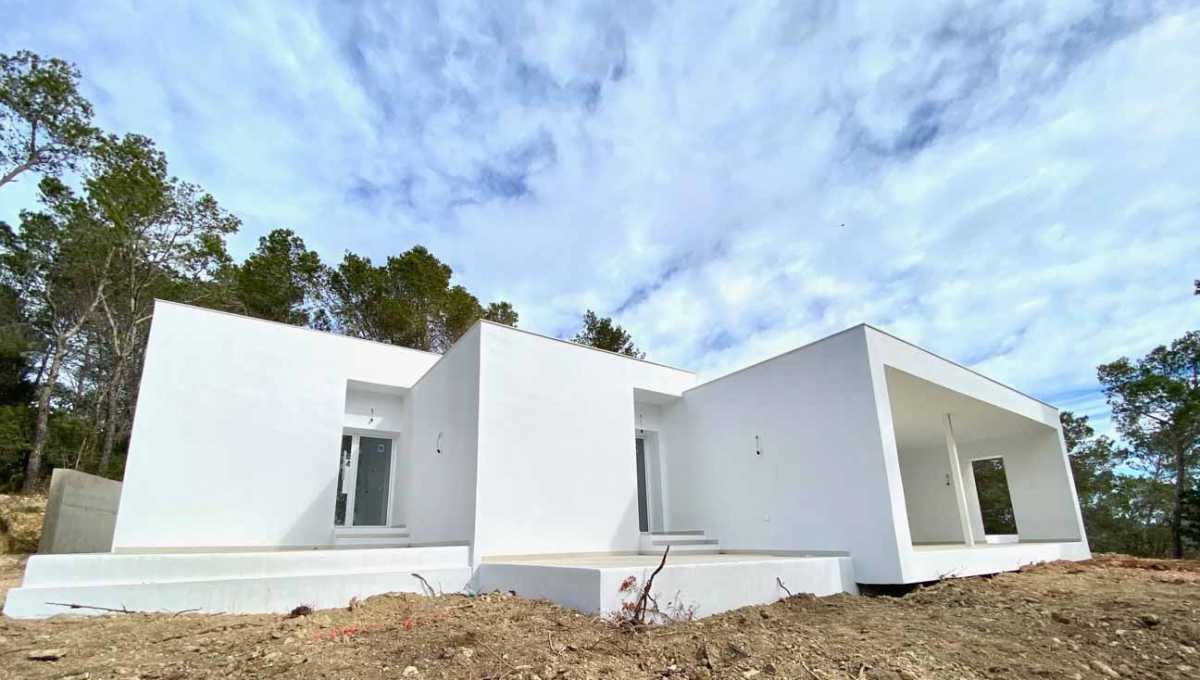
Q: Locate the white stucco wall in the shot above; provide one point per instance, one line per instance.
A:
(438, 489)
(820, 482)
(647, 416)
(932, 509)
(556, 429)
(235, 441)
(1037, 484)
(373, 407)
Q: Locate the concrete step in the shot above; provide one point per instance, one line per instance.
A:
(690, 541)
(371, 537)
(370, 531)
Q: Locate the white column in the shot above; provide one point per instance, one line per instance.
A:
(972, 493)
(960, 497)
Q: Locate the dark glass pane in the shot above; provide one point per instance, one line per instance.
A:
(339, 506)
(643, 513)
(371, 486)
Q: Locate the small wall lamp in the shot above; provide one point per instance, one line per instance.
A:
(757, 448)
(437, 445)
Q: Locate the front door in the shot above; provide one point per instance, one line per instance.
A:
(371, 485)
(364, 481)
(643, 503)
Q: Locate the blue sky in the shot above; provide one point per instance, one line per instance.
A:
(1011, 185)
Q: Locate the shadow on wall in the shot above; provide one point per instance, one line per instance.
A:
(318, 515)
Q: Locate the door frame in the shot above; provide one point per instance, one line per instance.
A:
(350, 478)
(975, 506)
(654, 483)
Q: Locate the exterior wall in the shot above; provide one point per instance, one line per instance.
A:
(438, 489)
(705, 585)
(819, 484)
(930, 503)
(557, 469)
(647, 416)
(237, 430)
(370, 408)
(81, 513)
(1037, 485)
(1041, 484)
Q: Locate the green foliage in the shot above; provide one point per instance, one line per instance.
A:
(16, 435)
(501, 312)
(995, 503)
(280, 280)
(1191, 516)
(80, 272)
(56, 260)
(407, 301)
(45, 124)
(602, 333)
(15, 347)
(1119, 510)
(67, 432)
(1156, 408)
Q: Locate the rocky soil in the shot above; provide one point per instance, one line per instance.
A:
(21, 522)
(1112, 617)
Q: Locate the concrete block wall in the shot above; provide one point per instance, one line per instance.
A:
(81, 513)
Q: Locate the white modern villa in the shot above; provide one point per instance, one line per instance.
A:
(272, 466)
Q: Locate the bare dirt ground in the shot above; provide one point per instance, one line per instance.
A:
(1112, 617)
(21, 522)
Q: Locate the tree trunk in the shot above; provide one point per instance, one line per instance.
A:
(33, 466)
(110, 421)
(1177, 510)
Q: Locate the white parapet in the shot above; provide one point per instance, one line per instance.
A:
(230, 582)
(702, 584)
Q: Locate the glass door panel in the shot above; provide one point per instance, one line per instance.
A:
(643, 505)
(372, 482)
(339, 508)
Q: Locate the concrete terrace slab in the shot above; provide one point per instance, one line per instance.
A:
(229, 582)
(933, 562)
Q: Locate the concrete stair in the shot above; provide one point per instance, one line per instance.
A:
(692, 542)
(372, 537)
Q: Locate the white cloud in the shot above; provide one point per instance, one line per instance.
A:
(1017, 182)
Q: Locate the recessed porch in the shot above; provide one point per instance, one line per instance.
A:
(985, 489)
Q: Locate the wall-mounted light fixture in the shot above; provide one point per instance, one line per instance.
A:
(757, 448)
(641, 424)
(437, 445)
(372, 416)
